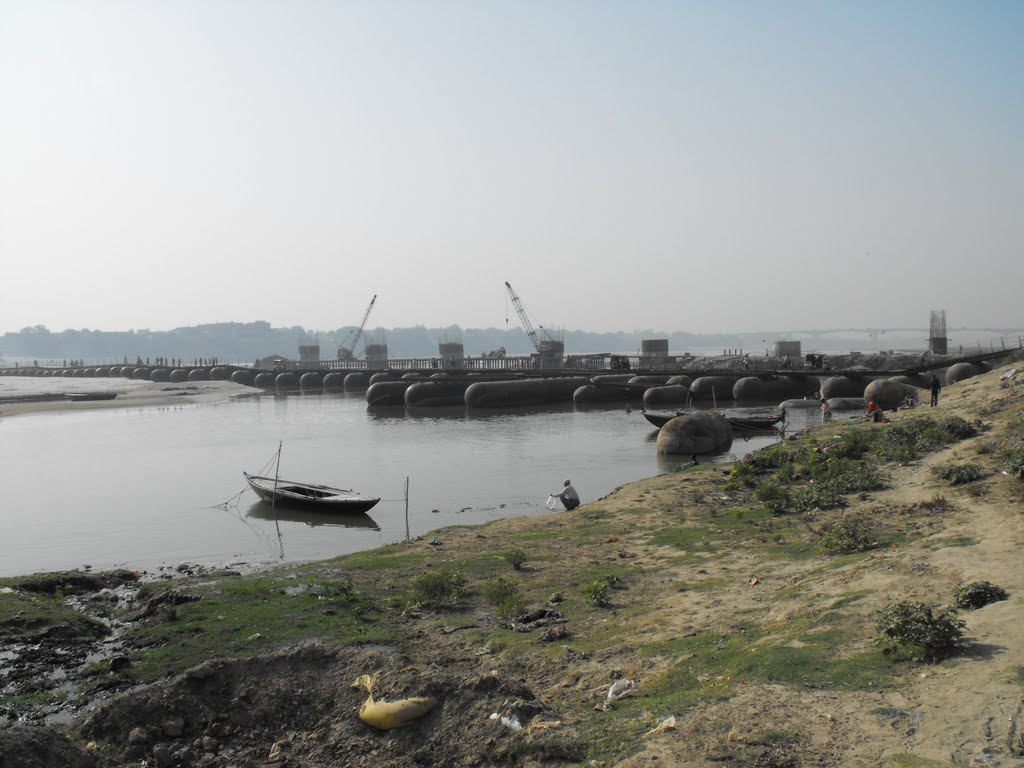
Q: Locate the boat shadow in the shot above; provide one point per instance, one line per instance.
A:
(263, 510)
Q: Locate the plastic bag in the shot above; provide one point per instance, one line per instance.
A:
(551, 502)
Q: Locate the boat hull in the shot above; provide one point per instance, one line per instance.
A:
(737, 423)
(309, 496)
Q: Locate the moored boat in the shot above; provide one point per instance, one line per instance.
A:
(78, 397)
(738, 423)
(323, 497)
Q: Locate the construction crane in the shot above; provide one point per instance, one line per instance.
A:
(540, 344)
(346, 350)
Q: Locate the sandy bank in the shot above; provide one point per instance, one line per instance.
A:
(19, 397)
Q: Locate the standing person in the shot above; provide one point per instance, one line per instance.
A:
(935, 387)
(826, 411)
(570, 499)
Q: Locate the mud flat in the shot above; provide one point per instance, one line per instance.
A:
(26, 396)
(700, 617)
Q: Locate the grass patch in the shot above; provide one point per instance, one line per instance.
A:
(28, 617)
(69, 582)
(239, 616)
(393, 557)
(949, 541)
(707, 585)
(693, 539)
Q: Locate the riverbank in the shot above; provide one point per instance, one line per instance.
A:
(20, 397)
(736, 609)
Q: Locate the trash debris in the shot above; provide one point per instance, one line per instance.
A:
(668, 724)
(542, 617)
(436, 542)
(753, 580)
(386, 715)
(550, 503)
(620, 689)
(544, 725)
(553, 634)
(512, 723)
(5, 590)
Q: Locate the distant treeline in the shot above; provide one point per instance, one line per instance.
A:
(245, 342)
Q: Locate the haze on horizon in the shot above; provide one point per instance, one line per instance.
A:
(680, 166)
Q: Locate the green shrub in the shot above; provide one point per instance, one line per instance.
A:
(933, 632)
(442, 587)
(597, 594)
(978, 594)
(331, 588)
(516, 558)
(850, 534)
(855, 445)
(817, 497)
(956, 428)
(613, 581)
(956, 474)
(898, 444)
(907, 441)
(763, 461)
(774, 497)
(934, 505)
(511, 607)
(786, 473)
(1013, 460)
(846, 475)
(499, 589)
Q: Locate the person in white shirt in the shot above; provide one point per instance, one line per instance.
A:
(570, 499)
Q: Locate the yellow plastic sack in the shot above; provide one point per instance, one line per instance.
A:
(390, 714)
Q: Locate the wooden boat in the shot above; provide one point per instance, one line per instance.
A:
(323, 497)
(738, 423)
(79, 397)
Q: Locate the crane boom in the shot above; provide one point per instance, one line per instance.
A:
(349, 351)
(362, 324)
(524, 318)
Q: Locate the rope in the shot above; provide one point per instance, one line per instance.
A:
(233, 501)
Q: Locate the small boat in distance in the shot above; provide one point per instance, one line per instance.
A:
(322, 497)
(79, 397)
(738, 423)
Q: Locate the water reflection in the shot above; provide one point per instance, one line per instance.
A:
(261, 510)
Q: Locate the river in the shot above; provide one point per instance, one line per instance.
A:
(140, 487)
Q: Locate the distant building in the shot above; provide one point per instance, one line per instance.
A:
(783, 348)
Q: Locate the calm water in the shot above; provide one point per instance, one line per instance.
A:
(139, 487)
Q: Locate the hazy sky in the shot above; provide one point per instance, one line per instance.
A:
(695, 166)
